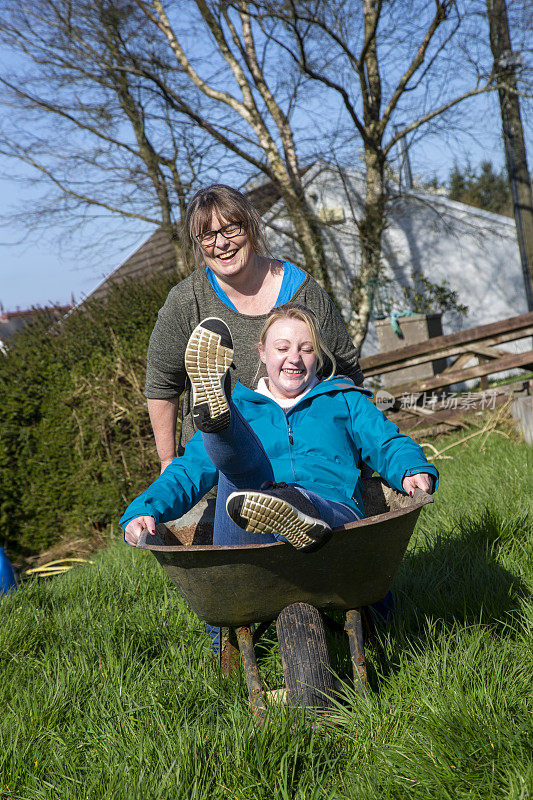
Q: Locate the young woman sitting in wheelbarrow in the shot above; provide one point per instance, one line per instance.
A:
(286, 456)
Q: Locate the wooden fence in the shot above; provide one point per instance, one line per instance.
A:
(479, 344)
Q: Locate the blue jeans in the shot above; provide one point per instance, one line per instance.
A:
(243, 464)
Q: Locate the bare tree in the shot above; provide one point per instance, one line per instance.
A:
(243, 111)
(97, 140)
(138, 129)
(393, 66)
(151, 81)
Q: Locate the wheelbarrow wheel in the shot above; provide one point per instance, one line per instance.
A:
(305, 657)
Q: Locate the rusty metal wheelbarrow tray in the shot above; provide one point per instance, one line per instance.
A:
(236, 586)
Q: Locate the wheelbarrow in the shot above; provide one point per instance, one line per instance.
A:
(235, 587)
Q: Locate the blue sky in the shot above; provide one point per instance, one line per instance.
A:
(51, 267)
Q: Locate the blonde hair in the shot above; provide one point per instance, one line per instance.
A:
(303, 314)
(231, 205)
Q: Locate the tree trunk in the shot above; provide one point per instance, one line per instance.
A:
(370, 232)
(513, 135)
(373, 222)
(309, 238)
(286, 177)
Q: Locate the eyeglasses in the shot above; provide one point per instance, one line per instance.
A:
(229, 231)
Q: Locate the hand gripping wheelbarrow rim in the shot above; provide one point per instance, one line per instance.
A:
(235, 586)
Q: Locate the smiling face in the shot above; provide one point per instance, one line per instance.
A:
(290, 358)
(228, 258)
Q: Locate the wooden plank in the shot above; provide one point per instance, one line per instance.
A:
(419, 411)
(354, 629)
(459, 408)
(522, 411)
(447, 352)
(480, 350)
(435, 430)
(484, 381)
(488, 352)
(449, 345)
(459, 363)
(510, 361)
(476, 334)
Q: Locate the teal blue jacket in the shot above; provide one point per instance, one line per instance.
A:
(319, 444)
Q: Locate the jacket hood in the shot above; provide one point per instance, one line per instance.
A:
(338, 383)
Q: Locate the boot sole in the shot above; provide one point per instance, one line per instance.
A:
(260, 513)
(208, 356)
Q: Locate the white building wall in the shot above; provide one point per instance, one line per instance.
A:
(475, 251)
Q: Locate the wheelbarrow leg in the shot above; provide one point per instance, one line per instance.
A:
(354, 629)
(228, 651)
(256, 691)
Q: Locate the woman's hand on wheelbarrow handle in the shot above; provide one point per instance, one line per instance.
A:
(422, 480)
(136, 526)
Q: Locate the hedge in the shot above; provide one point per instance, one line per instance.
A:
(75, 438)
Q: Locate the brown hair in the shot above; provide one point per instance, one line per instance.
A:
(230, 204)
(304, 314)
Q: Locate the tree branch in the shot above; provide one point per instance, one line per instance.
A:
(161, 21)
(46, 105)
(179, 104)
(27, 159)
(440, 16)
(303, 64)
(247, 110)
(274, 109)
(436, 112)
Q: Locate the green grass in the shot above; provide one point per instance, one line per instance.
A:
(108, 688)
(513, 379)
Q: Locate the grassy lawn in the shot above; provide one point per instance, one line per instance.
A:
(108, 689)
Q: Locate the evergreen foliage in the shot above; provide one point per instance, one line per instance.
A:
(432, 298)
(484, 188)
(75, 438)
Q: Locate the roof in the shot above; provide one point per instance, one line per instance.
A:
(13, 321)
(155, 255)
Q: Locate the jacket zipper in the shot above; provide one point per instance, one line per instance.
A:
(291, 442)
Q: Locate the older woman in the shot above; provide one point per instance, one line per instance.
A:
(238, 282)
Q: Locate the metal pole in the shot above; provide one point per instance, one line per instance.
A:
(405, 166)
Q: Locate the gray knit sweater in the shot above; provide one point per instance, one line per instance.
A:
(193, 300)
